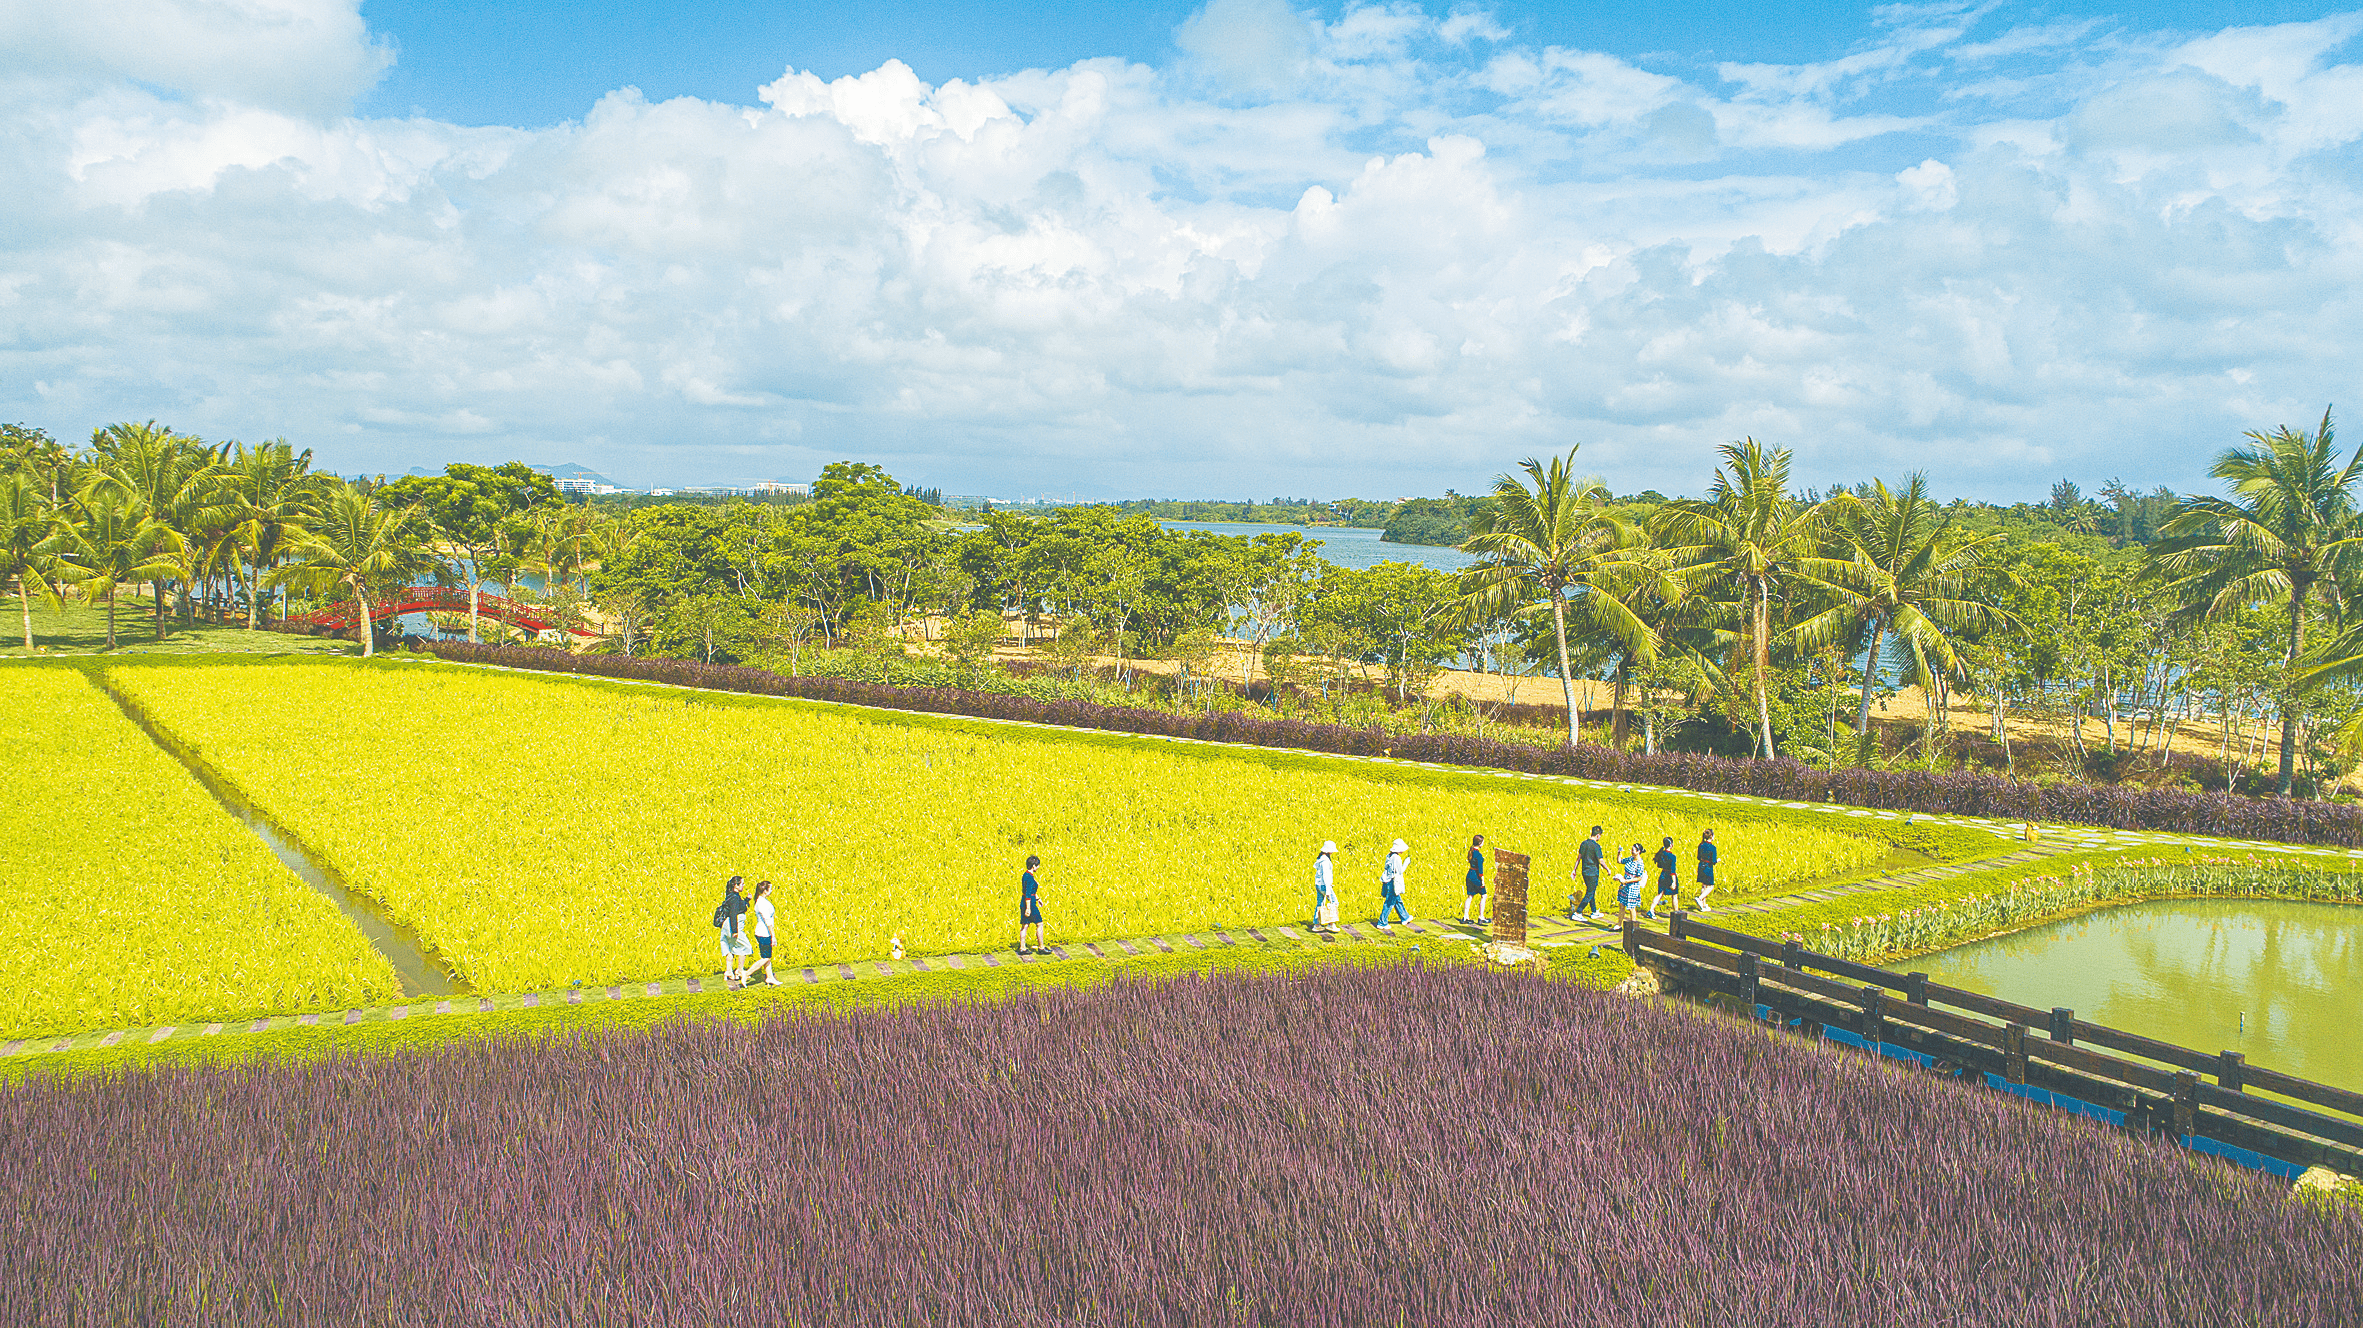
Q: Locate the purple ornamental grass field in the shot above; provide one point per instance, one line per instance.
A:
(1377, 1146)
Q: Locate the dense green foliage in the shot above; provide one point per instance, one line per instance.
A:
(1445, 521)
(2087, 635)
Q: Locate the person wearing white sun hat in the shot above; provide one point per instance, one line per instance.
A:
(1325, 888)
(1391, 884)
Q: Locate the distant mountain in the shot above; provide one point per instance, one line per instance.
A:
(571, 471)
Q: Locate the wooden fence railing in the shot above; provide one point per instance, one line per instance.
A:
(2048, 1055)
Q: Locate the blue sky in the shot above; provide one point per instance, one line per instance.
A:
(1222, 249)
(537, 64)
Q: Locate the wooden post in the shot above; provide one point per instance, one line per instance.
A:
(1791, 954)
(1674, 928)
(1750, 969)
(1874, 1022)
(2186, 1104)
(1916, 988)
(2014, 1053)
(1632, 941)
(2231, 1070)
(2063, 1024)
(1509, 896)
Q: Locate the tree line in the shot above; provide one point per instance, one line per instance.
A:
(1758, 617)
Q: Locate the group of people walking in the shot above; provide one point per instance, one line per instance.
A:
(1632, 897)
(747, 924)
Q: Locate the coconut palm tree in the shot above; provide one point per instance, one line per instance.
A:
(170, 474)
(1904, 579)
(270, 491)
(109, 539)
(1751, 542)
(352, 543)
(47, 464)
(2287, 530)
(29, 542)
(1560, 546)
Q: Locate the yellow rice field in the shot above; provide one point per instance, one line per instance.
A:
(129, 897)
(543, 830)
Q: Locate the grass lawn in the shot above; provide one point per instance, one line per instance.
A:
(1807, 917)
(81, 629)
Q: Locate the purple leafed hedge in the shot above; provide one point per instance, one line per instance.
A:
(2290, 820)
(1376, 1146)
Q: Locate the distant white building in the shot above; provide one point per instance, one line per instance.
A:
(751, 488)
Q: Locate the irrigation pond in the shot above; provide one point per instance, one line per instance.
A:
(2279, 981)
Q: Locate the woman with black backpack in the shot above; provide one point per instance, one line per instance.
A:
(734, 936)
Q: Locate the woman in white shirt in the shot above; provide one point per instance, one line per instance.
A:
(760, 910)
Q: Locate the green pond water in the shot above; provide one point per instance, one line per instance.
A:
(2281, 982)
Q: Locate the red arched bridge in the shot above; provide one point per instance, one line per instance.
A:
(438, 599)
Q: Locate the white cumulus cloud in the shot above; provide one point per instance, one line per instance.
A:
(1366, 250)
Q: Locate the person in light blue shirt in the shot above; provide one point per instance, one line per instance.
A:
(1325, 888)
(1628, 894)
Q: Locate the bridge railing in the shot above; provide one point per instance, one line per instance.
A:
(2048, 1055)
(438, 599)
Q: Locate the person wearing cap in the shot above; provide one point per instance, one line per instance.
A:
(1476, 882)
(1325, 888)
(1391, 882)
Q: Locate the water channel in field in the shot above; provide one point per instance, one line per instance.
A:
(420, 970)
(2280, 981)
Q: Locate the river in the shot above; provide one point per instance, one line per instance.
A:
(1347, 546)
(2280, 981)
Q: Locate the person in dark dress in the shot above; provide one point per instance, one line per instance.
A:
(1706, 869)
(1476, 895)
(1029, 906)
(1668, 893)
